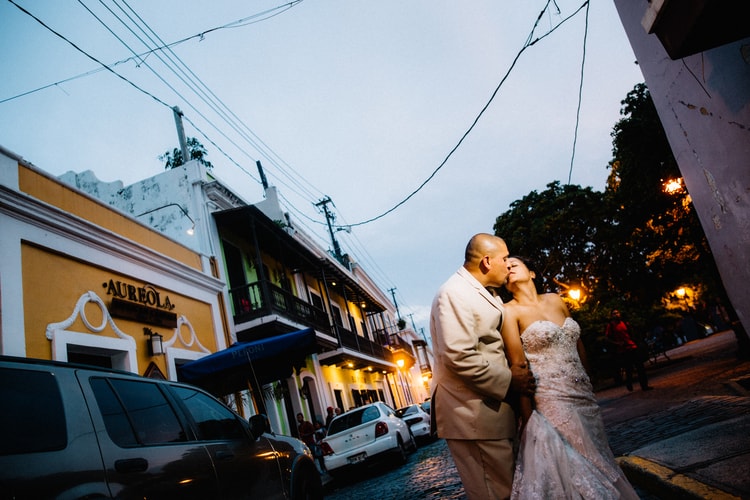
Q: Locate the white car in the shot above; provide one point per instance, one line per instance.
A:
(418, 421)
(364, 435)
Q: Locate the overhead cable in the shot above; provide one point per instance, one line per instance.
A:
(529, 42)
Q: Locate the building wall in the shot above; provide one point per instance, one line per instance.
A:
(703, 101)
(62, 249)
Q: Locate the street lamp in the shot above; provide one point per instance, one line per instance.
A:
(684, 294)
(672, 186)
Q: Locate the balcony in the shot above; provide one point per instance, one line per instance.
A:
(249, 303)
(351, 340)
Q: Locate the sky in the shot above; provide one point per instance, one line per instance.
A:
(421, 120)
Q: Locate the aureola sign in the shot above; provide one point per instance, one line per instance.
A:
(140, 303)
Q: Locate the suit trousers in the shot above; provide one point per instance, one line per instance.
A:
(485, 467)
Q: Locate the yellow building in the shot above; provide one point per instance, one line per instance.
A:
(82, 282)
(97, 272)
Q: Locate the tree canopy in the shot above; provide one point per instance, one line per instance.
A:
(628, 247)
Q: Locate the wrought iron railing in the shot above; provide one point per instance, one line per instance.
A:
(248, 303)
(361, 344)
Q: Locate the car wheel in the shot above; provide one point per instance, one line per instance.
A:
(412, 442)
(306, 484)
(401, 453)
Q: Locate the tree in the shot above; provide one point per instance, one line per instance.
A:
(196, 150)
(559, 229)
(664, 245)
(628, 247)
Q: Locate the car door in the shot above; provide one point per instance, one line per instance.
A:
(245, 467)
(47, 447)
(146, 449)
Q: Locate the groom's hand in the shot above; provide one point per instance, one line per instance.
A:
(522, 380)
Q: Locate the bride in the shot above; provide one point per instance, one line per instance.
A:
(564, 451)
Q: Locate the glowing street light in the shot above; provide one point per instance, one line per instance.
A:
(672, 186)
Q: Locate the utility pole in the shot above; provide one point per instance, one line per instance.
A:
(393, 293)
(262, 174)
(411, 317)
(181, 134)
(329, 219)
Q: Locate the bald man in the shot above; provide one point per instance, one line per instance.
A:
(471, 376)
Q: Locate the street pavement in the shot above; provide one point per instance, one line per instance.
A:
(688, 438)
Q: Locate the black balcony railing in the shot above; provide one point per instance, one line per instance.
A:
(396, 342)
(361, 344)
(248, 303)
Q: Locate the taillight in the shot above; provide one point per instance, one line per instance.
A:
(326, 448)
(381, 429)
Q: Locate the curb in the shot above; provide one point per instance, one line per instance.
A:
(667, 483)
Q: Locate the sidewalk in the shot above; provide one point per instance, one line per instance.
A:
(690, 436)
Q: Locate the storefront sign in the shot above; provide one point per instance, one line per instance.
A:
(143, 304)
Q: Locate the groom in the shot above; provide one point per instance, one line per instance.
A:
(471, 377)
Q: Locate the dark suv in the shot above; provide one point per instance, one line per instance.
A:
(73, 431)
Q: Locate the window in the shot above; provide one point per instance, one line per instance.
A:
(316, 300)
(336, 312)
(354, 418)
(136, 412)
(32, 419)
(214, 421)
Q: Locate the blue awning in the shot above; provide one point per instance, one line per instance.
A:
(260, 361)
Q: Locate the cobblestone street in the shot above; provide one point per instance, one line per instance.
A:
(429, 473)
(702, 385)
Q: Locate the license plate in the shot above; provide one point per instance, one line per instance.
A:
(355, 459)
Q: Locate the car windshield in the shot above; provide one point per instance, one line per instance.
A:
(353, 418)
(409, 410)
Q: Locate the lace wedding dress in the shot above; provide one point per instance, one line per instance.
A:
(564, 452)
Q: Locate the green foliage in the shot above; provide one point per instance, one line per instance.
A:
(627, 247)
(559, 229)
(196, 150)
(664, 245)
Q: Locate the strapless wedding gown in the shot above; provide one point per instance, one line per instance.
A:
(564, 451)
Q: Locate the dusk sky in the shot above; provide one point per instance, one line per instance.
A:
(358, 101)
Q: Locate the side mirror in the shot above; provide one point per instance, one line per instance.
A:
(258, 425)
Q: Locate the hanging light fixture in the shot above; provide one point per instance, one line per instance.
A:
(155, 342)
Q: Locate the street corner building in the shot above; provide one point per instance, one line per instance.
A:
(176, 277)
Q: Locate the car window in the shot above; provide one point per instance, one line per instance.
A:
(32, 418)
(371, 413)
(136, 412)
(409, 410)
(353, 418)
(214, 421)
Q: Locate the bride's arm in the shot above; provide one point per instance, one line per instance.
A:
(516, 357)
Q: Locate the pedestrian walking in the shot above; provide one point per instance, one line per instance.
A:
(628, 353)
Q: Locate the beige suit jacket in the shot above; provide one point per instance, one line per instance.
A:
(471, 375)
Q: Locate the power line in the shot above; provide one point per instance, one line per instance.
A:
(580, 92)
(529, 42)
(246, 21)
